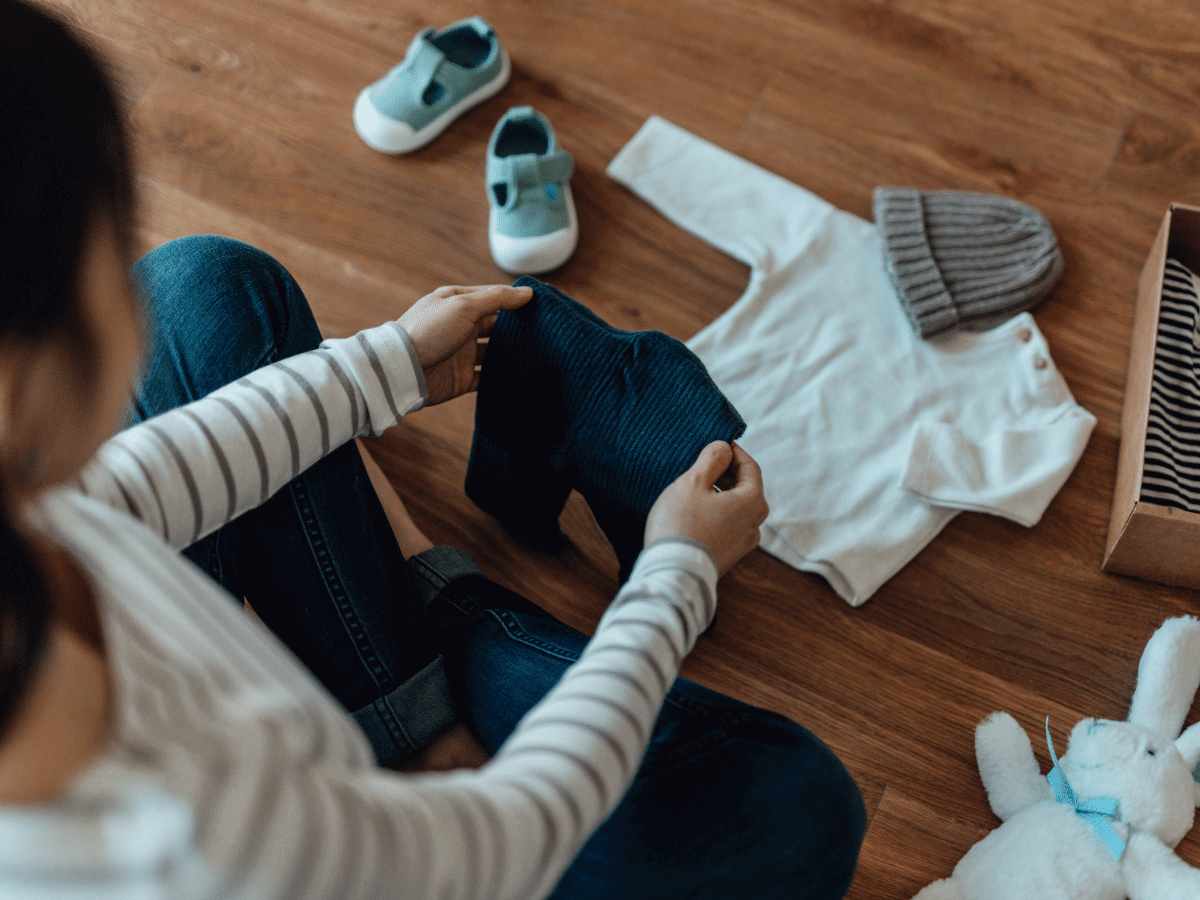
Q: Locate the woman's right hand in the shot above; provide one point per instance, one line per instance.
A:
(724, 520)
(448, 327)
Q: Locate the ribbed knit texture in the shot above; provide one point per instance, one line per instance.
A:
(567, 401)
(961, 259)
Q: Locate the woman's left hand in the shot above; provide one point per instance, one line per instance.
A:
(448, 328)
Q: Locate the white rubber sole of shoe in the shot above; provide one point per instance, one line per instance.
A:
(388, 135)
(534, 255)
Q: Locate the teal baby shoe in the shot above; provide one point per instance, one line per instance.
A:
(531, 224)
(443, 75)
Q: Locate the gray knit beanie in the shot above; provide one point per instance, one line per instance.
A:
(964, 260)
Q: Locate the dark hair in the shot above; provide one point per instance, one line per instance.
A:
(64, 161)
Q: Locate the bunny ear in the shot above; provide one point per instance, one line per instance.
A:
(1168, 677)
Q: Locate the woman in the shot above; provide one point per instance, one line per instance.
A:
(155, 742)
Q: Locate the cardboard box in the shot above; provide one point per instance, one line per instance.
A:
(1146, 539)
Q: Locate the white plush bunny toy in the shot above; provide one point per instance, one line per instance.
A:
(1103, 824)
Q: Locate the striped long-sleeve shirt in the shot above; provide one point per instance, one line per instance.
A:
(1171, 474)
(230, 771)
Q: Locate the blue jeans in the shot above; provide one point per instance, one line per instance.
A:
(730, 800)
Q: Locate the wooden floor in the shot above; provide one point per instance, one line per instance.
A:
(1084, 108)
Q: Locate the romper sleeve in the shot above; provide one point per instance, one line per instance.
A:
(511, 828)
(738, 207)
(1012, 473)
(187, 472)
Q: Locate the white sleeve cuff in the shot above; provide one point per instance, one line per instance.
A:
(383, 362)
(699, 561)
(680, 571)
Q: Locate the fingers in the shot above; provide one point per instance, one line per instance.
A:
(486, 301)
(486, 324)
(458, 290)
(726, 481)
(748, 484)
(455, 290)
(746, 472)
(711, 463)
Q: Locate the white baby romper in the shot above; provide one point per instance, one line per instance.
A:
(871, 438)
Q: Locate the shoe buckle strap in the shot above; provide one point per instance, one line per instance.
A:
(526, 170)
(423, 64)
(557, 167)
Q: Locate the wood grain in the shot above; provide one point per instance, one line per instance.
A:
(241, 117)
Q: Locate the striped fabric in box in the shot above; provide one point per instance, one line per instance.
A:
(1171, 472)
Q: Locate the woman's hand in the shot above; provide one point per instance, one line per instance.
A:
(448, 328)
(724, 520)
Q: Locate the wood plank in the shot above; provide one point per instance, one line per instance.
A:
(909, 845)
(1144, 50)
(420, 219)
(641, 53)
(345, 295)
(887, 120)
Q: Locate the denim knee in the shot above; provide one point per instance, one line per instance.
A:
(190, 265)
(836, 835)
(743, 802)
(220, 278)
(817, 819)
(216, 309)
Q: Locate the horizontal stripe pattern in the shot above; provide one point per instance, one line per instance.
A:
(229, 451)
(1171, 468)
(252, 780)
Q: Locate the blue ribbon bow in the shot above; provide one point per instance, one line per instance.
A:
(1097, 812)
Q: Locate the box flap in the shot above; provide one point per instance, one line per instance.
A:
(1160, 544)
(1135, 411)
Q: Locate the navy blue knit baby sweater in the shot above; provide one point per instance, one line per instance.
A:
(567, 401)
